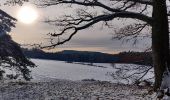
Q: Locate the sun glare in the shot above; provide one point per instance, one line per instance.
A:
(27, 15)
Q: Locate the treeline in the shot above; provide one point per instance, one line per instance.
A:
(72, 56)
(143, 58)
(92, 57)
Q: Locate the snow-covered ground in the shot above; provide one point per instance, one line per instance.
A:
(57, 80)
(72, 90)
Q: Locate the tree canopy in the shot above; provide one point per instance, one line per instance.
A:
(11, 55)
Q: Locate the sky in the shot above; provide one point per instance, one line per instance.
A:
(92, 39)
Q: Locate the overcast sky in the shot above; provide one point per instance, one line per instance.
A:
(92, 39)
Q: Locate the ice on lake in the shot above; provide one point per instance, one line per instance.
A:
(61, 70)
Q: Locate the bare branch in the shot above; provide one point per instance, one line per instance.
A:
(91, 22)
(148, 2)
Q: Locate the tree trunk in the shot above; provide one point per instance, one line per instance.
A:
(160, 40)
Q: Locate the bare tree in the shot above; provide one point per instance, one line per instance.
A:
(148, 13)
(11, 55)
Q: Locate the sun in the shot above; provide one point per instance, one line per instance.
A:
(27, 15)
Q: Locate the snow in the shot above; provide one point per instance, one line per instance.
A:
(50, 69)
(58, 80)
(72, 90)
(165, 86)
(62, 70)
(165, 81)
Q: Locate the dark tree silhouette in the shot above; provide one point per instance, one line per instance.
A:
(147, 13)
(11, 55)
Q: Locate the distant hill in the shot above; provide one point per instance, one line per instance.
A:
(72, 56)
(143, 58)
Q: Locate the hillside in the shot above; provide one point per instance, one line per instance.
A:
(72, 56)
(143, 58)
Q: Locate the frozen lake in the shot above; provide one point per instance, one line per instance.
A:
(70, 71)
(50, 69)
